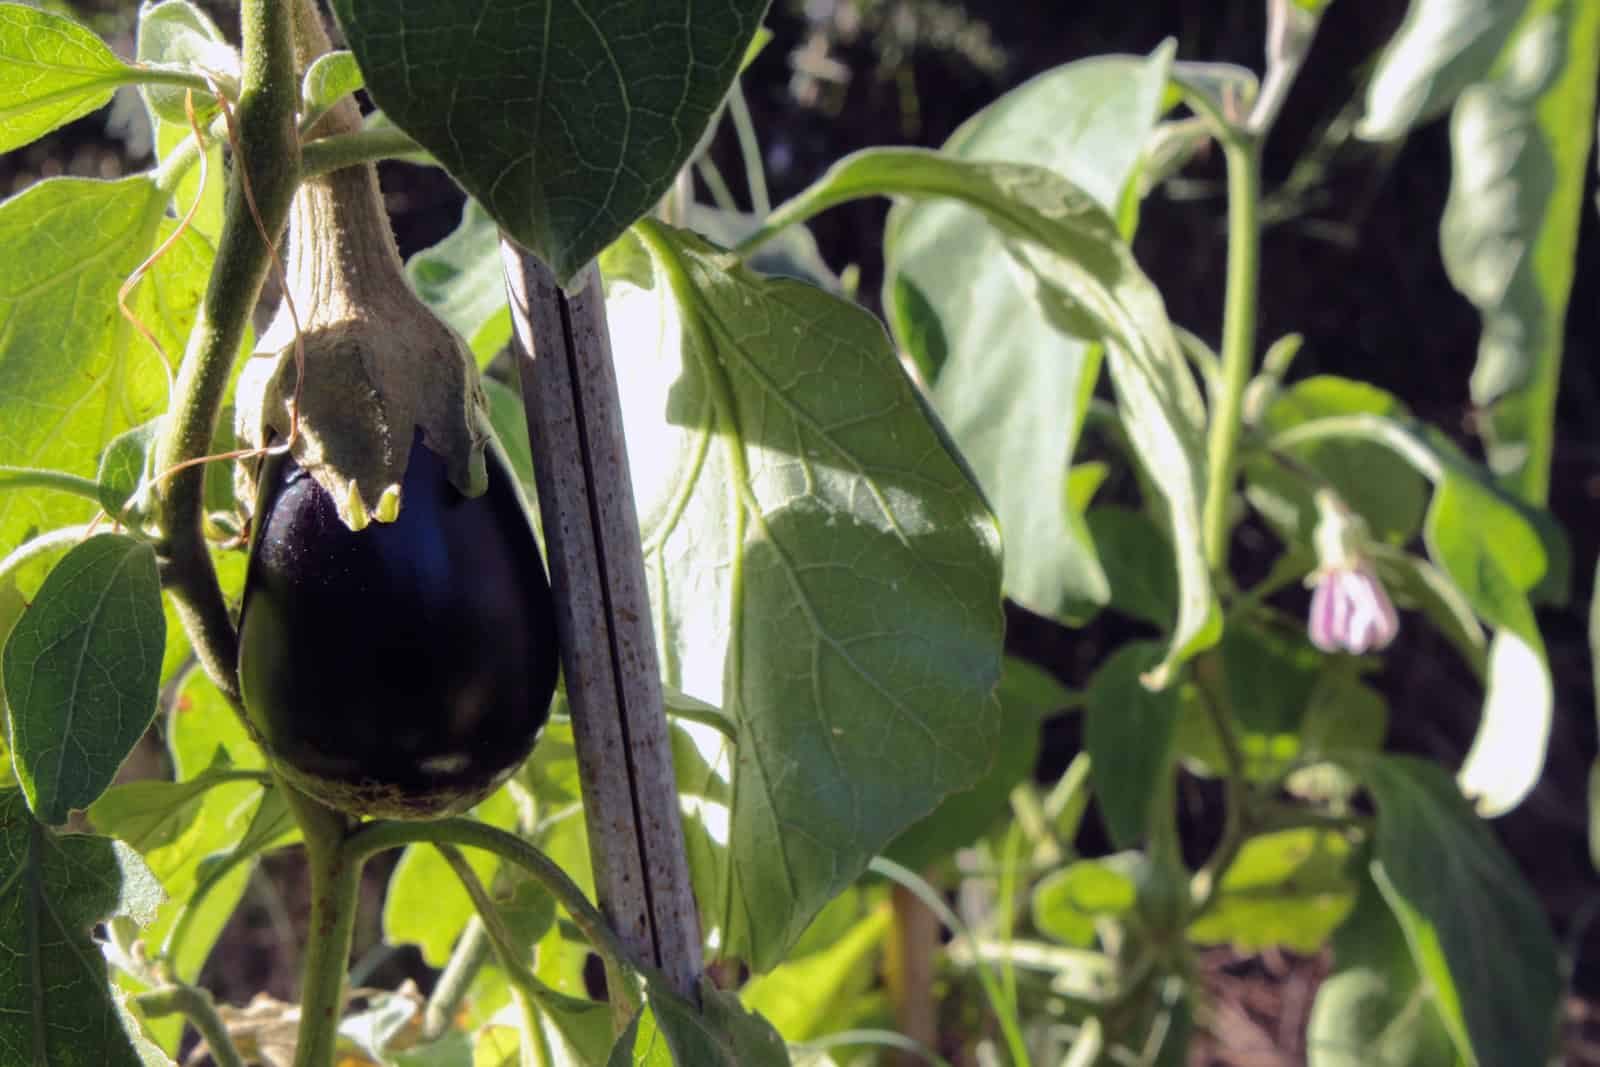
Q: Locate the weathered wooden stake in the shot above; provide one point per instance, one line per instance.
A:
(608, 650)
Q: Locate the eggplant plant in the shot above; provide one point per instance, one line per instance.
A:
(309, 571)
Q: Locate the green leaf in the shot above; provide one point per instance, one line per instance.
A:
(82, 667)
(792, 254)
(55, 71)
(804, 996)
(1385, 491)
(1128, 734)
(329, 79)
(1497, 553)
(149, 814)
(426, 904)
(1476, 931)
(1138, 564)
(1287, 889)
(459, 279)
(823, 570)
(1519, 165)
(179, 34)
(1066, 902)
(73, 373)
(211, 192)
(1442, 47)
(670, 1032)
(56, 1005)
(125, 468)
(1027, 694)
(1071, 257)
(567, 121)
(1374, 1009)
(1008, 383)
(202, 726)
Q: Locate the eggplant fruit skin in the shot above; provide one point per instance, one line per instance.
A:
(404, 670)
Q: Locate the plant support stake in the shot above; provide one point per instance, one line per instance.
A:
(603, 618)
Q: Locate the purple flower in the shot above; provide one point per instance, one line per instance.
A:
(1351, 612)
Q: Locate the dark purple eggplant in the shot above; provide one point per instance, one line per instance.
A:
(404, 670)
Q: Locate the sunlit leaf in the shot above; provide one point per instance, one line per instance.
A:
(55, 71)
(1520, 145)
(804, 996)
(1442, 47)
(73, 372)
(1008, 383)
(824, 571)
(1069, 254)
(1289, 889)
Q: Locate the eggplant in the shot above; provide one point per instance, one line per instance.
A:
(404, 670)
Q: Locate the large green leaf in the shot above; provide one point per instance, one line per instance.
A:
(1442, 47)
(1068, 252)
(1475, 929)
(73, 372)
(823, 569)
(56, 1006)
(52, 71)
(566, 120)
(1374, 1010)
(1128, 734)
(1008, 382)
(82, 667)
(1027, 695)
(1519, 156)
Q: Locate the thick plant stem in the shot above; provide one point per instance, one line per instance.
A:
(335, 884)
(269, 156)
(1243, 152)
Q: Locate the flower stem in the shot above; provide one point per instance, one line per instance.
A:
(1243, 153)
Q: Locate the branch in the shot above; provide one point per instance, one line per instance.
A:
(266, 168)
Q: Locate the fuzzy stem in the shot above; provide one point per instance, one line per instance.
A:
(335, 888)
(200, 1009)
(1243, 152)
(342, 150)
(268, 154)
(60, 481)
